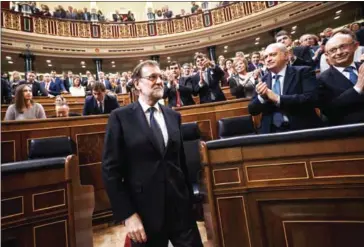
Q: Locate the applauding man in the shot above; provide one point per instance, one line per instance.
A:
(286, 95)
(207, 80)
(179, 89)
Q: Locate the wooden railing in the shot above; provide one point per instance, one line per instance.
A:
(112, 30)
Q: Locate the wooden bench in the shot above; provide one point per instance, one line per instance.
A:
(46, 205)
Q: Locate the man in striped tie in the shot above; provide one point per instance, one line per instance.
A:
(286, 95)
(342, 85)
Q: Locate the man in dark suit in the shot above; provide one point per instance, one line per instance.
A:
(286, 95)
(255, 64)
(342, 85)
(68, 81)
(144, 168)
(206, 81)
(299, 55)
(104, 81)
(53, 87)
(37, 89)
(57, 80)
(86, 15)
(178, 89)
(99, 102)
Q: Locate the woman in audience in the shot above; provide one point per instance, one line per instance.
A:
(242, 83)
(77, 89)
(24, 107)
(45, 10)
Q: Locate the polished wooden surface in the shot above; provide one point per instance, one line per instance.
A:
(309, 193)
(47, 206)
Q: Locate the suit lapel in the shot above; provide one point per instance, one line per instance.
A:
(142, 122)
(337, 76)
(269, 80)
(288, 80)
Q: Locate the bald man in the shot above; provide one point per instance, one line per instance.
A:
(342, 85)
(285, 95)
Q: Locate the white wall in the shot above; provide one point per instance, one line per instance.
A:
(138, 8)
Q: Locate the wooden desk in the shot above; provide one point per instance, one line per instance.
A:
(287, 191)
(46, 206)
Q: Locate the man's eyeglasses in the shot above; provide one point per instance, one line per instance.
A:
(341, 47)
(153, 77)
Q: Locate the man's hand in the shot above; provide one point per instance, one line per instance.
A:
(135, 229)
(272, 96)
(291, 56)
(262, 89)
(207, 63)
(360, 83)
(201, 77)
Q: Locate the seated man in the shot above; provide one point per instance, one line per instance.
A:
(285, 95)
(206, 81)
(179, 89)
(37, 89)
(299, 55)
(53, 87)
(342, 85)
(99, 102)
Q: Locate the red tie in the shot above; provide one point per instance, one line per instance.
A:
(178, 103)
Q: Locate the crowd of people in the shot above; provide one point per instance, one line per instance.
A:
(255, 77)
(70, 13)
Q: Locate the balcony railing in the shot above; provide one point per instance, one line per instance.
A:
(111, 30)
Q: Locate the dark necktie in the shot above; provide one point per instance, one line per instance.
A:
(277, 116)
(156, 129)
(352, 76)
(100, 108)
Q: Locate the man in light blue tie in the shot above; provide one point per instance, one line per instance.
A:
(286, 95)
(342, 85)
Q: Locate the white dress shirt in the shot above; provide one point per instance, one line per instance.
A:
(158, 116)
(347, 74)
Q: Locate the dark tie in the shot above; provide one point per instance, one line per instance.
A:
(277, 116)
(100, 108)
(352, 76)
(157, 132)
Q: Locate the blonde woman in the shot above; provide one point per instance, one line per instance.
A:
(242, 82)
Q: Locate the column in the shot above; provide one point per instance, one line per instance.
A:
(29, 58)
(212, 53)
(155, 58)
(98, 63)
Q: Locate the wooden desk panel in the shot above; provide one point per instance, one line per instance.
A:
(288, 194)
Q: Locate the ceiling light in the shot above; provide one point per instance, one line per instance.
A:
(257, 43)
(225, 46)
(257, 39)
(48, 61)
(337, 17)
(112, 62)
(8, 58)
(294, 27)
(49, 65)
(293, 32)
(11, 62)
(169, 61)
(225, 51)
(113, 66)
(82, 62)
(141, 60)
(83, 66)
(168, 58)
(246, 55)
(338, 12)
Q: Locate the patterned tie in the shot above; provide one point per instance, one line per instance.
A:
(277, 116)
(352, 76)
(178, 98)
(157, 132)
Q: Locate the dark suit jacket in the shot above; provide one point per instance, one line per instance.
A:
(215, 76)
(136, 172)
(185, 89)
(91, 107)
(251, 67)
(54, 88)
(5, 91)
(339, 101)
(37, 89)
(297, 101)
(304, 57)
(107, 84)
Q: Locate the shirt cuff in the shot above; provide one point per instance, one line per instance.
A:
(177, 86)
(169, 85)
(358, 90)
(278, 101)
(201, 84)
(260, 98)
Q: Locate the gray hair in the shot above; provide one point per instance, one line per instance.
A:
(280, 46)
